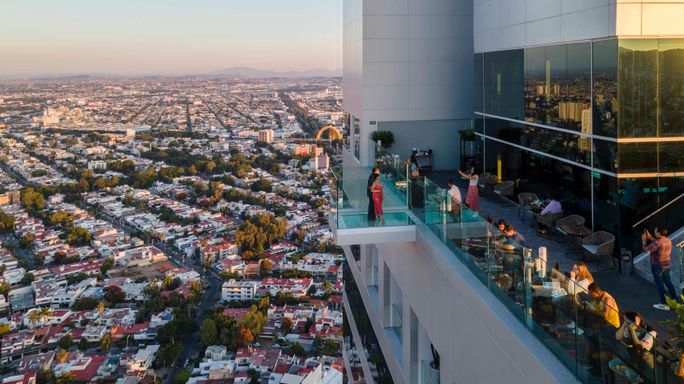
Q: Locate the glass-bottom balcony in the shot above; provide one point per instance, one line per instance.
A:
(359, 216)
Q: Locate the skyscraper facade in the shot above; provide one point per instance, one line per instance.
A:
(578, 99)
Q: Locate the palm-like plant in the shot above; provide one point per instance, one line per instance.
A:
(34, 316)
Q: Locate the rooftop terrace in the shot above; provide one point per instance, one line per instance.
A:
(553, 307)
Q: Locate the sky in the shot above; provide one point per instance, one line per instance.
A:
(39, 37)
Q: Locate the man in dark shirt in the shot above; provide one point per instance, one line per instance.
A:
(371, 207)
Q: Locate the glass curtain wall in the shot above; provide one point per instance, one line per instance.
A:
(598, 109)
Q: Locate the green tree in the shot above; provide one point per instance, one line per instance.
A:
(208, 332)
(106, 342)
(168, 354)
(4, 329)
(106, 265)
(66, 342)
(66, 378)
(287, 325)
(5, 289)
(83, 185)
(297, 350)
(114, 294)
(27, 279)
(182, 376)
(265, 267)
(26, 242)
(31, 199)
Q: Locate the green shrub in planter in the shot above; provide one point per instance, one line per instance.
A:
(386, 138)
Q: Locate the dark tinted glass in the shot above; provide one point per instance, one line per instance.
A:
(605, 155)
(671, 156)
(637, 157)
(605, 69)
(478, 91)
(503, 83)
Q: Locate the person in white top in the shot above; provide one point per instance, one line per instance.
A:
(578, 281)
(455, 199)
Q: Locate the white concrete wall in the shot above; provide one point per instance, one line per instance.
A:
(479, 340)
(650, 18)
(508, 24)
(416, 62)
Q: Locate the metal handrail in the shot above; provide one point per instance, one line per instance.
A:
(658, 210)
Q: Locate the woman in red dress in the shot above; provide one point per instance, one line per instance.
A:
(376, 190)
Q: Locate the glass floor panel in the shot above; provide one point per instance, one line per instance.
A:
(360, 220)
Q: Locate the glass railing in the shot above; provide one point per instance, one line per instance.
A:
(350, 200)
(582, 330)
(579, 329)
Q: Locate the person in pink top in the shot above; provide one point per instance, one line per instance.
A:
(472, 196)
(376, 190)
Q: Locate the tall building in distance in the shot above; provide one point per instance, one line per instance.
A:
(576, 99)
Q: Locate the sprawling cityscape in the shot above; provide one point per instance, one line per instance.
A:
(368, 192)
(169, 230)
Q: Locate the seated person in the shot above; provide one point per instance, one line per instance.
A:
(514, 236)
(577, 281)
(602, 304)
(637, 335)
(501, 224)
(553, 207)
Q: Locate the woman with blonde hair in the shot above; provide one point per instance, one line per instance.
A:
(577, 280)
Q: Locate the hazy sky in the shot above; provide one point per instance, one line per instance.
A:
(167, 36)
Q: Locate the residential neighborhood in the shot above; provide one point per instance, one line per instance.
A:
(169, 231)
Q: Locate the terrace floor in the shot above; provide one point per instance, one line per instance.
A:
(630, 292)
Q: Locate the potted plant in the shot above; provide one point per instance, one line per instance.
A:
(386, 138)
(676, 328)
(467, 134)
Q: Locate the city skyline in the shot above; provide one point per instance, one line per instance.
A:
(168, 38)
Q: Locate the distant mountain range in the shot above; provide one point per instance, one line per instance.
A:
(261, 73)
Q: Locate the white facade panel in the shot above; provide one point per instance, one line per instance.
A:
(385, 50)
(386, 74)
(385, 27)
(498, 23)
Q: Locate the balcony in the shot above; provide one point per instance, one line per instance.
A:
(349, 208)
(550, 305)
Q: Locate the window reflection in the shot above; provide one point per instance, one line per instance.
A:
(638, 59)
(605, 87)
(605, 155)
(671, 86)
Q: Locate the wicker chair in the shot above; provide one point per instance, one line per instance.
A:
(598, 245)
(504, 189)
(549, 219)
(525, 200)
(482, 180)
(487, 182)
(569, 224)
